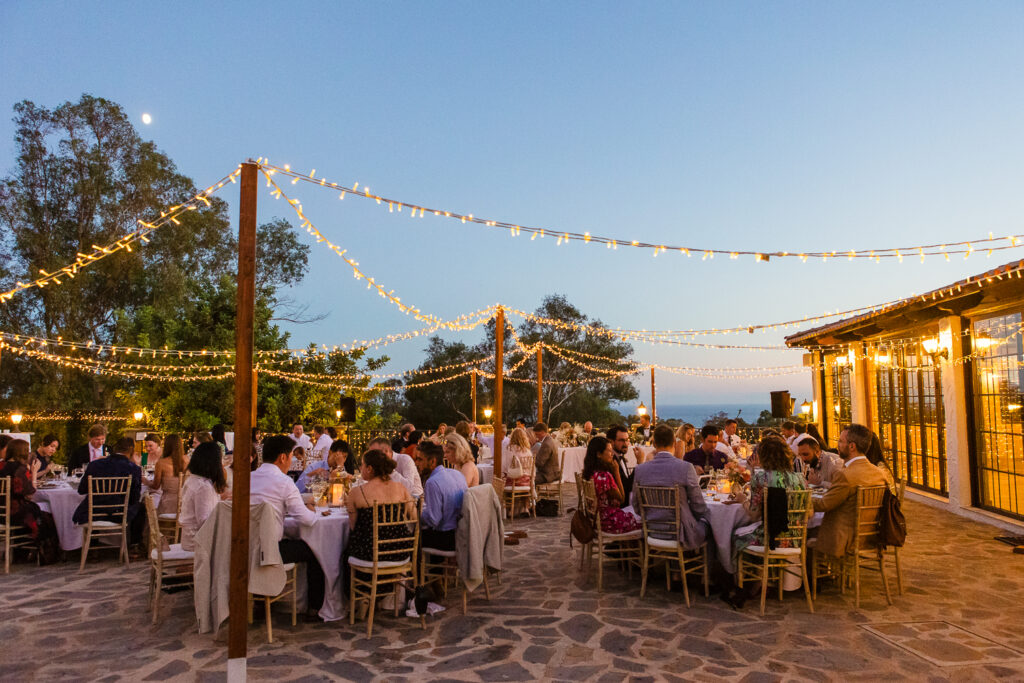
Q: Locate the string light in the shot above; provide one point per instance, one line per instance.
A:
(140, 234)
(760, 255)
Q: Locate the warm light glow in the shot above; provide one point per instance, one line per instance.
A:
(138, 415)
(931, 345)
(882, 358)
(837, 408)
(982, 342)
(488, 412)
(641, 409)
(337, 413)
(16, 417)
(147, 119)
(805, 407)
(1014, 406)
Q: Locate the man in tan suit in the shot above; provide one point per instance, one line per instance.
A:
(840, 501)
(545, 453)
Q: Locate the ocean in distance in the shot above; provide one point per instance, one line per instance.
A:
(697, 413)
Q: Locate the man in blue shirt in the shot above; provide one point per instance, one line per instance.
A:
(443, 489)
(117, 464)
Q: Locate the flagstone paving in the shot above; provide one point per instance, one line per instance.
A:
(958, 620)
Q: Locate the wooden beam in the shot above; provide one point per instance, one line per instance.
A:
(238, 587)
(472, 392)
(540, 383)
(497, 418)
(654, 399)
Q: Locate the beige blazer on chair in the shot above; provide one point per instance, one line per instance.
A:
(840, 506)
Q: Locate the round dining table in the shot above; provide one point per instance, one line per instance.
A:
(327, 537)
(61, 500)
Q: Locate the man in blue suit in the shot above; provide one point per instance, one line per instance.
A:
(117, 464)
(666, 470)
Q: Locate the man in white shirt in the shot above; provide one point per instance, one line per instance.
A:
(729, 437)
(323, 443)
(299, 438)
(405, 467)
(271, 484)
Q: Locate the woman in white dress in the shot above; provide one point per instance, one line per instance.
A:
(201, 492)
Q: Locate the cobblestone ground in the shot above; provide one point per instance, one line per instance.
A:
(959, 620)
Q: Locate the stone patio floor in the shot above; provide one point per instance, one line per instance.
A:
(958, 620)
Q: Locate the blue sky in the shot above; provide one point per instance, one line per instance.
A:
(776, 126)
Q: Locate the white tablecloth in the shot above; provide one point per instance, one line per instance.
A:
(486, 473)
(488, 440)
(327, 538)
(574, 460)
(61, 503)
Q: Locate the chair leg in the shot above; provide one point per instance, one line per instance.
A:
(707, 578)
(86, 539)
(158, 583)
(682, 577)
(124, 546)
(885, 579)
(352, 595)
(803, 580)
(643, 573)
(270, 622)
(295, 600)
(856, 581)
(899, 570)
(373, 604)
(600, 568)
(764, 584)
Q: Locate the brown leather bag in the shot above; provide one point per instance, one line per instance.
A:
(892, 525)
(581, 528)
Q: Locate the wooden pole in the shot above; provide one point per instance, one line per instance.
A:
(540, 384)
(498, 421)
(472, 392)
(255, 377)
(238, 587)
(654, 405)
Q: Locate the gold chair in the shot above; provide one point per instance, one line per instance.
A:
(553, 490)
(290, 572)
(864, 547)
(395, 531)
(14, 536)
(173, 563)
(168, 521)
(623, 548)
(760, 563)
(660, 513)
(107, 500)
(521, 493)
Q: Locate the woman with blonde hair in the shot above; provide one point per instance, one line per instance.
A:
(167, 473)
(457, 452)
(518, 445)
(685, 441)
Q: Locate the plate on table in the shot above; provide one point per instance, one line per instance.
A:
(48, 486)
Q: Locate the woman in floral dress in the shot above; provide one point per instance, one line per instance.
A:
(599, 466)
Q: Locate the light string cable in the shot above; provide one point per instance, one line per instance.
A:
(140, 234)
(988, 244)
(371, 283)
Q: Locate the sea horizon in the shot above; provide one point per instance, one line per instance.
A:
(697, 413)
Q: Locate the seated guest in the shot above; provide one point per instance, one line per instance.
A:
(341, 452)
(321, 442)
(819, 467)
(465, 430)
(706, 456)
(685, 441)
(619, 436)
(271, 484)
(405, 472)
(44, 454)
(167, 472)
(442, 497)
(201, 492)
(728, 436)
(23, 470)
(220, 435)
(599, 467)
(456, 451)
(376, 471)
(812, 429)
(518, 446)
(588, 430)
(665, 469)
(333, 461)
(415, 436)
(94, 449)
(117, 464)
(4, 440)
(643, 430)
(545, 454)
(299, 438)
(840, 501)
(789, 431)
(402, 441)
(876, 458)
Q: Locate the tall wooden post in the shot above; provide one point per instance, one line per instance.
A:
(238, 587)
(540, 384)
(255, 393)
(472, 392)
(497, 418)
(654, 405)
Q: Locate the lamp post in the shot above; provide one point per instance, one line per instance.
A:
(487, 413)
(16, 417)
(138, 415)
(337, 414)
(641, 410)
(805, 409)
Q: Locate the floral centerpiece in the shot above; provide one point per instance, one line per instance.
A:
(571, 436)
(736, 474)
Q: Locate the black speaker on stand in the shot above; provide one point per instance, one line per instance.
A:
(347, 406)
(782, 405)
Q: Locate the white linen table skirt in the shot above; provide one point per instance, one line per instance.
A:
(327, 538)
(61, 502)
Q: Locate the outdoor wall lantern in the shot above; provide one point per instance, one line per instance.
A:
(805, 408)
(641, 409)
(932, 348)
(488, 412)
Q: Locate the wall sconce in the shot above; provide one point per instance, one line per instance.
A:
(16, 417)
(805, 408)
(932, 348)
(488, 412)
(882, 358)
(982, 342)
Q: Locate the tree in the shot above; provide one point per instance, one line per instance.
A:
(444, 401)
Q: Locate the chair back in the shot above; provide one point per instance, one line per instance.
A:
(5, 505)
(588, 501)
(182, 478)
(869, 502)
(659, 511)
(108, 498)
(799, 508)
(395, 532)
(561, 467)
(528, 463)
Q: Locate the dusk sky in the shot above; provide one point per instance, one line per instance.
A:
(767, 126)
